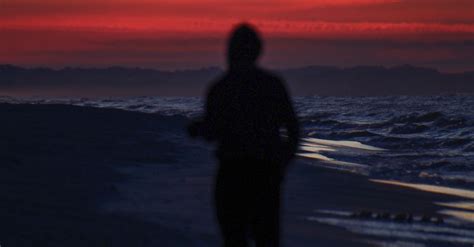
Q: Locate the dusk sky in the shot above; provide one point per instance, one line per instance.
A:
(178, 34)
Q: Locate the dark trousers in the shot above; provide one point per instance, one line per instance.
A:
(247, 201)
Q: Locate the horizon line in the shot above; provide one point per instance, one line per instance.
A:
(57, 68)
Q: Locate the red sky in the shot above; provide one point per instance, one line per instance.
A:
(177, 34)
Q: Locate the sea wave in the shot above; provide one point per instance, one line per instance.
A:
(419, 135)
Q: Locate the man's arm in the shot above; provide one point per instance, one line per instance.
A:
(289, 121)
(207, 127)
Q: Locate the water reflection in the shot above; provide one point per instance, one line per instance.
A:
(342, 144)
(465, 210)
(314, 148)
(431, 188)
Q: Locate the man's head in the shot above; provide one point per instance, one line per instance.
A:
(244, 46)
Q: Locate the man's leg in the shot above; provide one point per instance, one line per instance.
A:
(231, 203)
(267, 223)
(267, 215)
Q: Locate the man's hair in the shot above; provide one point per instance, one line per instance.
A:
(244, 44)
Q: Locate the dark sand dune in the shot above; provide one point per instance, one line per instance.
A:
(78, 176)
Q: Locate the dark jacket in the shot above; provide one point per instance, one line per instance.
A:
(246, 111)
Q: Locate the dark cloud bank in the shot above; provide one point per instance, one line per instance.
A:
(314, 80)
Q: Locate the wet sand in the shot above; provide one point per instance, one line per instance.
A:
(79, 176)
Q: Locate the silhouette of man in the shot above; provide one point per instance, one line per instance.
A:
(247, 111)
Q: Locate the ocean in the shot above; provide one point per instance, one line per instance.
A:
(426, 140)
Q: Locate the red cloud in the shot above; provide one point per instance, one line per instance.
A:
(133, 31)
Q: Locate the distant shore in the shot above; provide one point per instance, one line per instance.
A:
(302, 81)
(81, 176)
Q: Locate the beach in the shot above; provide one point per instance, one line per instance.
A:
(84, 176)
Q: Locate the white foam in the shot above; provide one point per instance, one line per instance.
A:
(430, 188)
(458, 214)
(466, 213)
(465, 205)
(332, 161)
(305, 146)
(345, 144)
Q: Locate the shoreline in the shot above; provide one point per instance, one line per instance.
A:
(82, 176)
